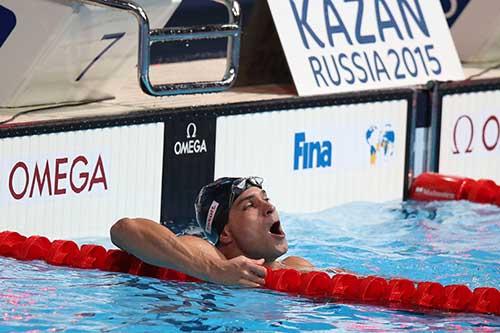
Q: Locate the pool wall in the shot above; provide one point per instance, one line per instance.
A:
(75, 178)
(466, 130)
(75, 183)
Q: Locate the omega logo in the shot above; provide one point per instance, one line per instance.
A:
(191, 128)
(490, 133)
(54, 177)
(192, 145)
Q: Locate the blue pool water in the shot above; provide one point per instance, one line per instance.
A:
(452, 242)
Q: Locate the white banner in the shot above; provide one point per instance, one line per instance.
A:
(77, 184)
(83, 54)
(313, 159)
(337, 46)
(470, 135)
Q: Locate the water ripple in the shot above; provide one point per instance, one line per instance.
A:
(449, 242)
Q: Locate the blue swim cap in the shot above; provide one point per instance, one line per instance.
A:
(214, 201)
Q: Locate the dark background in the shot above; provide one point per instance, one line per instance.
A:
(192, 13)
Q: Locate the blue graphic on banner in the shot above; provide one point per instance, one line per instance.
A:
(315, 154)
(7, 23)
(453, 9)
(381, 142)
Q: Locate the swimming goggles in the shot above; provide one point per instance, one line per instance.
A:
(240, 185)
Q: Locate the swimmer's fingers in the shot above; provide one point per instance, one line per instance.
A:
(249, 284)
(243, 271)
(254, 278)
(252, 272)
(255, 272)
(256, 268)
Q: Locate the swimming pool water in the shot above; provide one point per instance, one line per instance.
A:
(447, 242)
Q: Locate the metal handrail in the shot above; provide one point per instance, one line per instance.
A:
(231, 31)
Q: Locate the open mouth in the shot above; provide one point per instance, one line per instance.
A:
(276, 229)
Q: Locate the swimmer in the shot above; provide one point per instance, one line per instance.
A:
(243, 236)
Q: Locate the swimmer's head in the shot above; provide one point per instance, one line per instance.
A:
(215, 200)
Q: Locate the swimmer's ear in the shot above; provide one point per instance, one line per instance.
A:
(225, 236)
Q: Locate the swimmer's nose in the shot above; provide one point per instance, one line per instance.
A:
(269, 208)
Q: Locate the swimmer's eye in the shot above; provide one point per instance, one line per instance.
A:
(248, 205)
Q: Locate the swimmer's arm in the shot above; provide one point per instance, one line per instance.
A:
(157, 245)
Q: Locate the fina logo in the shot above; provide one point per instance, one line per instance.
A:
(314, 154)
(191, 145)
(381, 142)
(7, 24)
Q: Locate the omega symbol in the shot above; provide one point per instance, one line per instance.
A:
(490, 133)
(471, 135)
(191, 131)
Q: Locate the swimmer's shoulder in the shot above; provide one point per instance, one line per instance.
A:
(292, 262)
(297, 263)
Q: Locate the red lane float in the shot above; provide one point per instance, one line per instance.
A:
(62, 253)
(395, 293)
(33, 248)
(89, 256)
(9, 242)
(432, 186)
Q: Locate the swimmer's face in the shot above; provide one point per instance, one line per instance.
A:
(255, 227)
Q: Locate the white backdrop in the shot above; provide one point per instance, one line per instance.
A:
(470, 135)
(264, 144)
(62, 51)
(127, 181)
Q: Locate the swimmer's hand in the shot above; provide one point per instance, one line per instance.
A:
(157, 245)
(240, 271)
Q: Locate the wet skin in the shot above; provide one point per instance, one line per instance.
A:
(254, 228)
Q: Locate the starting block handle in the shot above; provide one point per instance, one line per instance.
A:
(231, 30)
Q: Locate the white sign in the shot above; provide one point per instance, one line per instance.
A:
(338, 46)
(77, 184)
(470, 135)
(83, 54)
(313, 159)
(65, 175)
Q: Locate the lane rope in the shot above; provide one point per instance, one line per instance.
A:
(395, 293)
(433, 186)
